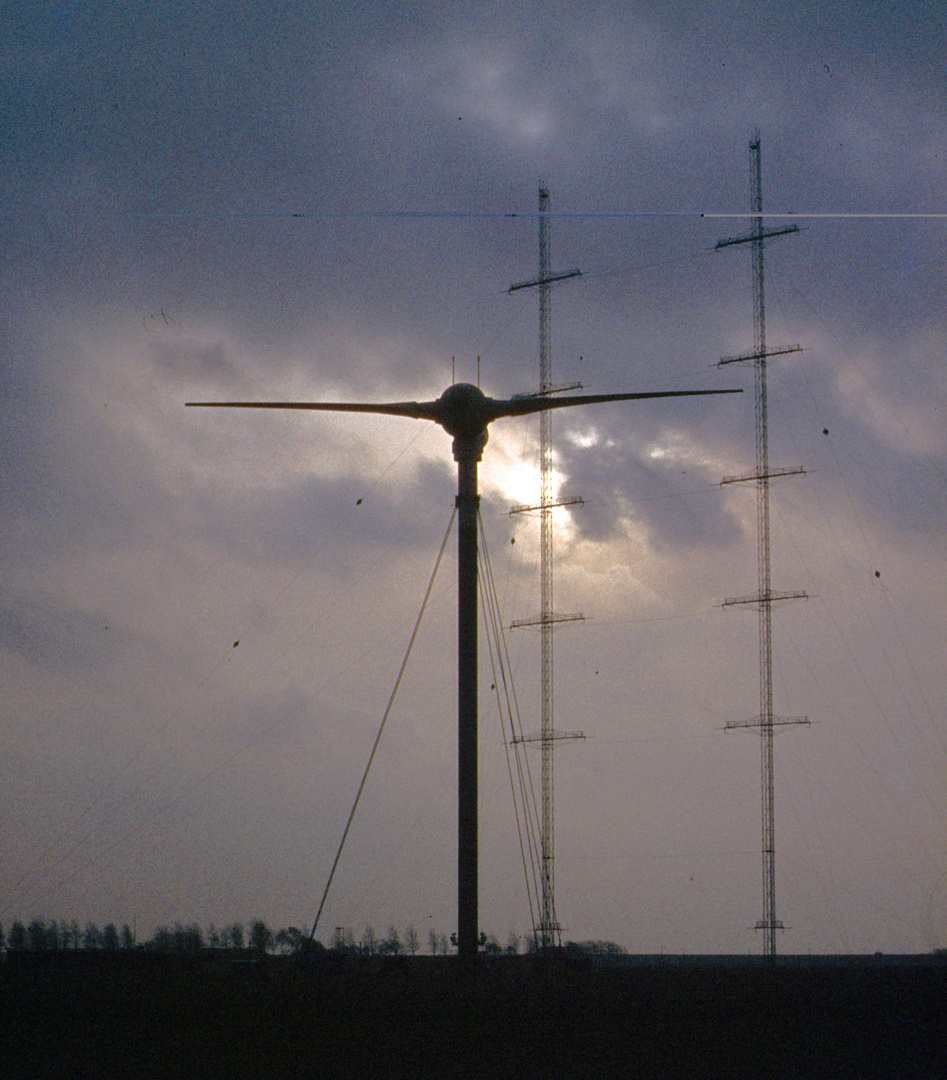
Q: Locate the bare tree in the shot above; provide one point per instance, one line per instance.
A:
(261, 937)
(392, 943)
(597, 948)
(36, 938)
(183, 939)
(342, 939)
(291, 940)
(411, 940)
(369, 941)
(162, 940)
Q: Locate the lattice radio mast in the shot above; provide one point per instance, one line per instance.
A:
(765, 597)
(548, 931)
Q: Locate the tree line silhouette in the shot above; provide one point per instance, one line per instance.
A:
(254, 939)
(40, 935)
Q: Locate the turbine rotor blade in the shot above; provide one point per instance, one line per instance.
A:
(524, 405)
(464, 411)
(416, 410)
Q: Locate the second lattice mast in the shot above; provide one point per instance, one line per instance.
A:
(548, 931)
(766, 596)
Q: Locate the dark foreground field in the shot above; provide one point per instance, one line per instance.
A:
(144, 1017)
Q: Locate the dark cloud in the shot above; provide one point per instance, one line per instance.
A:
(191, 362)
(300, 522)
(673, 498)
(74, 474)
(56, 638)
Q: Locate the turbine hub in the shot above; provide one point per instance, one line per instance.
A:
(464, 411)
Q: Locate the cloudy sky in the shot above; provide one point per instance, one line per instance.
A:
(242, 200)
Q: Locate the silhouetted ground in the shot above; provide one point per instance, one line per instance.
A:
(143, 1016)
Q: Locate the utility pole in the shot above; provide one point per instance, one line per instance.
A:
(765, 597)
(549, 930)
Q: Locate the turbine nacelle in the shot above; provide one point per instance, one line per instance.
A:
(465, 411)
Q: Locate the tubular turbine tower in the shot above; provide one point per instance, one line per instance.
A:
(465, 413)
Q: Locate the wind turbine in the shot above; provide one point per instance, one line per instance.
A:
(465, 413)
